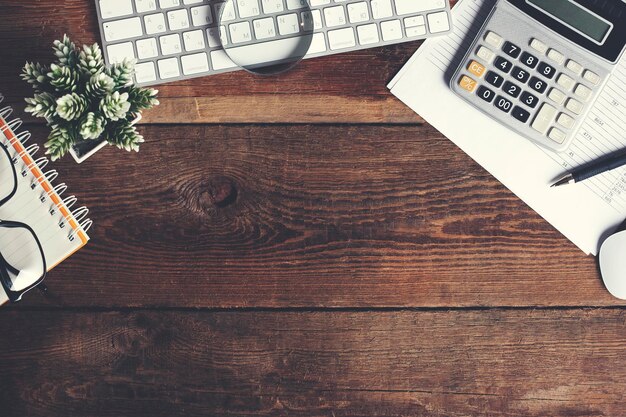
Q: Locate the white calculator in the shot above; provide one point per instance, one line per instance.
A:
(538, 65)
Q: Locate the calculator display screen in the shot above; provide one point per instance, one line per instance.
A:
(576, 17)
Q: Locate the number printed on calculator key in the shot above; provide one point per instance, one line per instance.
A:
(511, 49)
(485, 93)
(529, 60)
(546, 70)
(494, 79)
(502, 64)
(520, 75)
(537, 84)
(511, 89)
(503, 104)
(529, 99)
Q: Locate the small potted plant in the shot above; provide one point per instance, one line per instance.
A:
(86, 103)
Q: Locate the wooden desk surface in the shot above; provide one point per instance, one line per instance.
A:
(301, 245)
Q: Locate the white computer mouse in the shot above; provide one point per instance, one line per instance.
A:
(612, 260)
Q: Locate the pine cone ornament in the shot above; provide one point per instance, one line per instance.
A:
(63, 79)
(122, 72)
(59, 142)
(142, 99)
(124, 136)
(99, 85)
(91, 126)
(71, 106)
(35, 74)
(90, 59)
(65, 51)
(115, 106)
(41, 105)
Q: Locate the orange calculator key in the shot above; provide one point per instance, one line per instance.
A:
(476, 68)
(467, 83)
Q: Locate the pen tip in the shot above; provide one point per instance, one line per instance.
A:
(566, 179)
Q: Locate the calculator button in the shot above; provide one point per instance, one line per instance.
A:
(565, 81)
(537, 84)
(476, 68)
(529, 60)
(511, 89)
(485, 93)
(592, 77)
(502, 64)
(529, 99)
(574, 66)
(538, 46)
(520, 114)
(556, 56)
(511, 49)
(503, 104)
(467, 83)
(493, 39)
(574, 106)
(543, 118)
(583, 92)
(485, 54)
(493, 79)
(519, 74)
(546, 70)
(565, 120)
(556, 95)
(556, 135)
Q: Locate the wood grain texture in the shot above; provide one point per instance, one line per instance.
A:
(448, 363)
(328, 216)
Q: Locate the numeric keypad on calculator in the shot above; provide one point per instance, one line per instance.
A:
(516, 82)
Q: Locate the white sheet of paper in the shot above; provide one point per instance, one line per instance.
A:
(585, 212)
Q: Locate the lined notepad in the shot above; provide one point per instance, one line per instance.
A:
(60, 227)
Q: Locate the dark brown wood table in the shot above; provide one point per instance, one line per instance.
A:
(301, 245)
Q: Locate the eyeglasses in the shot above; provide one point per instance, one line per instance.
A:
(22, 261)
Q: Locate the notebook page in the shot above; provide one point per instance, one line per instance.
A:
(585, 212)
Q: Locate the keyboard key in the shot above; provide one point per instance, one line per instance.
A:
(503, 104)
(520, 114)
(178, 19)
(511, 49)
(412, 6)
(145, 72)
(414, 21)
(368, 34)
(240, 32)
(143, 6)
(288, 24)
(556, 56)
(193, 40)
(511, 89)
(529, 99)
(592, 77)
(342, 38)
(485, 93)
(574, 66)
(565, 81)
(565, 120)
(358, 12)
(529, 60)
(195, 64)
(546, 70)
(438, 22)
(557, 135)
(467, 83)
(272, 6)
(201, 16)
(520, 75)
(583, 92)
(493, 39)
(485, 54)
(335, 16)
(168, 68)
(381, 9)
(312, 19)
(574, 106)
(415, 31)
(296, 4)
(121, 51)
(556, 95)
(537, 84)
(476, 68)
(502, 64)
(170, 44)
(221, 61)
(115, 8)
(538, 46)
(264, 28)
(118, 30)
(318, 44)
(391, 30)
(248, 8)
(155, 23)
(544, 118)
(494, 79)
(165, 4)
(147, 48)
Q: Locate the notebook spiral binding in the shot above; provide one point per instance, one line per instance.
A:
(37, 165)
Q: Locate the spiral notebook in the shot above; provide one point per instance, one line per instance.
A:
(60, 227)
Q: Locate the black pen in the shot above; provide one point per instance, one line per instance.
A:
(592, 169)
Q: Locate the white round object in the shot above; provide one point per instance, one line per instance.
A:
(612, 259)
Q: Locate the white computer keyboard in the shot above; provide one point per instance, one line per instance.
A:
(180, 39)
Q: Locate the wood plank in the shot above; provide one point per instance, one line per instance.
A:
(348, 88)
(276, 216)
(448, 363)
